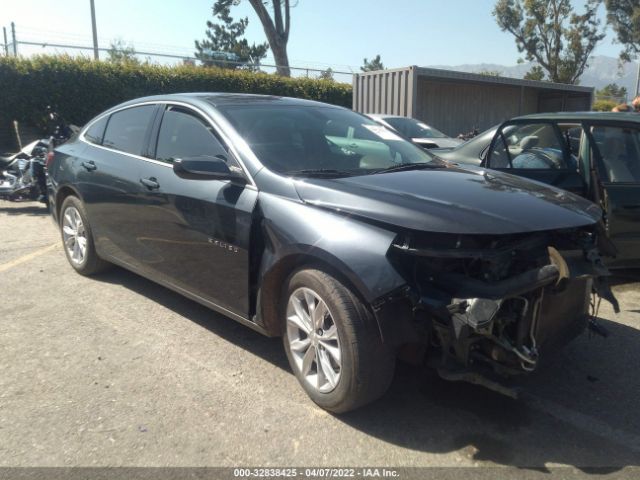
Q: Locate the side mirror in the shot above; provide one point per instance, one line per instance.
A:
(205, 167)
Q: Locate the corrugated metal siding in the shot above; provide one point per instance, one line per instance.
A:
(457, 108)
(388, 91)
(452, 75)
(562, 102)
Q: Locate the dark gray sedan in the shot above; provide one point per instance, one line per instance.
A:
(311, 222)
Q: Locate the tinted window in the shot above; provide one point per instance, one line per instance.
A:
(288, 139)
(95, 132)
(126, 129)
(183, 134)
(412, 128)
(620, 152)
(529, 146)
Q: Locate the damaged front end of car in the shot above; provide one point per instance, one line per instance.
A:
(484, 308)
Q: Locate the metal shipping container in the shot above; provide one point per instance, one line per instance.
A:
(456, 102)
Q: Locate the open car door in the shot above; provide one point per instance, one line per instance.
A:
(540, 150)
(615, 160)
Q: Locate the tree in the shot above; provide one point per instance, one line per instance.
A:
(122, 53)
(624, 17)
(613, 92)
(490, 73)
(225, 46)
(550, 33)
(326, 75)
(276, 29)
(536, 73)
(374, 64)
(603, 105)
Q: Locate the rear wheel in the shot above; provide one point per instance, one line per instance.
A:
(77, 238)
(333, 343)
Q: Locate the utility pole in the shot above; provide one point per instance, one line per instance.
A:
(6, 45)
(638, 80)
(95, 31)
(13, 39)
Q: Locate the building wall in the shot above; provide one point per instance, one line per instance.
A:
(454, 107)
(563, 102)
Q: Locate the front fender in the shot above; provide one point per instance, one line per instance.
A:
(295, 233)
(356, 249)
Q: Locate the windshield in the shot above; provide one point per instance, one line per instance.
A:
(412, 128)
(299, 140)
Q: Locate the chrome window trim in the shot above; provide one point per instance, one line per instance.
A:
(197, 110)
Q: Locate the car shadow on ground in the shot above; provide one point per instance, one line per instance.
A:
(29, 208)
(268, 348)
(425, 413)
(594, 377)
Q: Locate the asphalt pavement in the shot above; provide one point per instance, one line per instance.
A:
(115, 370)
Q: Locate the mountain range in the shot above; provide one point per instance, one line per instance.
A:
(600, 72)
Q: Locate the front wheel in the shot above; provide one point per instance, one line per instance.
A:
(333, 343)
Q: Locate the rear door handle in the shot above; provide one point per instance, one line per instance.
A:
(151, 183)
(90, 165)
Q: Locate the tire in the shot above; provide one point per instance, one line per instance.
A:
(73, 216)
(360, 370)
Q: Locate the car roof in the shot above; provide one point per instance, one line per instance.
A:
(217, 99)
(578, 116)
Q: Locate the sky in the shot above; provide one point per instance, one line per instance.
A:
(335, 33)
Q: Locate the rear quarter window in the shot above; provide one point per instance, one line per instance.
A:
(95, 132)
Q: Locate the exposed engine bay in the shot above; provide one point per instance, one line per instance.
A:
(485, 308)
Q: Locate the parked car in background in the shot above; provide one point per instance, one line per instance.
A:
(418, 132)
(311, 222)
(595, 155)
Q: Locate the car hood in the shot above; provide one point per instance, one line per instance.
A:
(452, 200)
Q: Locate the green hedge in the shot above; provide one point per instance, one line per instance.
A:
(603, 105)
(80, 88)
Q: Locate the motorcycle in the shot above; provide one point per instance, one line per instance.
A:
(23, 175)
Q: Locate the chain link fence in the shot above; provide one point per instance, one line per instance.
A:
(15, 43)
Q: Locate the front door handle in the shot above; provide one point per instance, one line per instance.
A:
(151, 183)
(90, 165)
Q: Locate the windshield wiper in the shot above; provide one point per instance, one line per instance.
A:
(319, 172)
(411, 166)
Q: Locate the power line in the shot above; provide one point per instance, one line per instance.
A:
(168, 51)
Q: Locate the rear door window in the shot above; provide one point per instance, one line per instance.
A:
(127, 129)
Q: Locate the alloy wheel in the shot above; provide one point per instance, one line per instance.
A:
(313, 340)
(74, 235)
